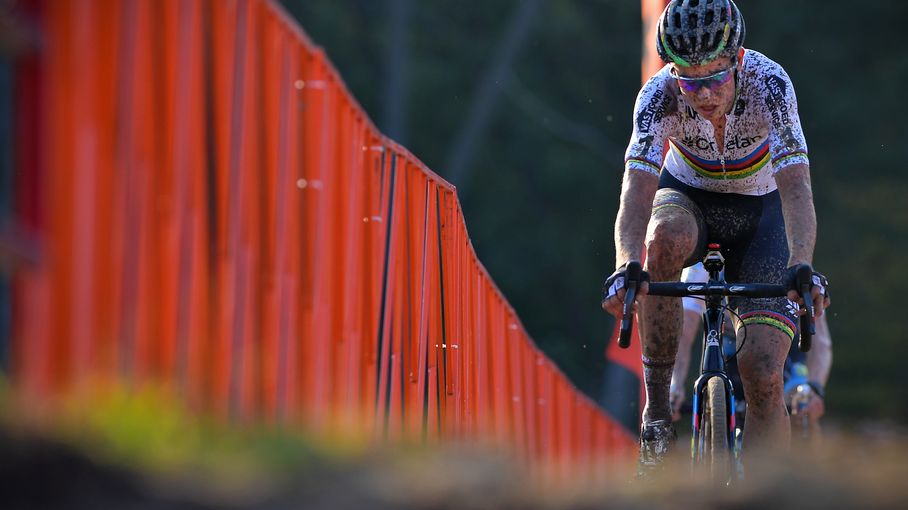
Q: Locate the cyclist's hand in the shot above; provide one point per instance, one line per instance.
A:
(819, 291)
(815, 408)
(615, 288)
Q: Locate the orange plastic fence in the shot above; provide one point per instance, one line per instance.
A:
(219, 215)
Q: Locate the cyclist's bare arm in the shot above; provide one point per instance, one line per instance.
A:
(800, 221)
(797, 207)
(689, 330)
(819, 362)
(819, 358)
(637, 192)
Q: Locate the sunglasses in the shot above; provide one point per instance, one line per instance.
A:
(712, 82)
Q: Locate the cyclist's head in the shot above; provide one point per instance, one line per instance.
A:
(697, 32)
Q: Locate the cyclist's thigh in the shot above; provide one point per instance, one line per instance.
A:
(680, 217)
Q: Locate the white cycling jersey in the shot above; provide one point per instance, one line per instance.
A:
(694, 273)
(762, 134)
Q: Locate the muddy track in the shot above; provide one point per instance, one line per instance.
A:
(41, 473)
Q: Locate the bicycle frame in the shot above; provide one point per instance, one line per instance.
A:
(713, 363)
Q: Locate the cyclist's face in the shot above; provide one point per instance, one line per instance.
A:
(712, 102)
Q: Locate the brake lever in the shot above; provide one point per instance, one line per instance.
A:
(632, 277)
(803, 281)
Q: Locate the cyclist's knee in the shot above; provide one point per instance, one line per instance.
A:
(670, 240)
(762, 357)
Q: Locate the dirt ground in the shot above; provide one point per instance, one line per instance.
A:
(850, 473)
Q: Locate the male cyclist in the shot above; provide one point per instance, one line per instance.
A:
(810, 369)
(735, 173)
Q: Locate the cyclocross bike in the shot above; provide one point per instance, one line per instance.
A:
(713, 445)
(798, 393)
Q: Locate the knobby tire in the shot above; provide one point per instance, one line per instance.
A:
(715, 429)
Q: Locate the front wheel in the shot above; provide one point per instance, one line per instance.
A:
(715, 450)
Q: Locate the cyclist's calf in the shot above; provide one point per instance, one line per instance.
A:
(760, 365)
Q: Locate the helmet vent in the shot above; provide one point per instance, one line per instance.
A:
(680, 43)
(699, 31)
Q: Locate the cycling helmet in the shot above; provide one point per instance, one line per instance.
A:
(696, 32)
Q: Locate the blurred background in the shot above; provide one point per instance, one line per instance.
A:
(525, 106)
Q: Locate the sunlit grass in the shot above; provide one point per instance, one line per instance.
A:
(150, 433)
(150, 430)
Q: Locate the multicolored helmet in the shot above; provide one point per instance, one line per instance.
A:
(696, 32)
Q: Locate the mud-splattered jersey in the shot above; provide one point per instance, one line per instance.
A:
(762, 134)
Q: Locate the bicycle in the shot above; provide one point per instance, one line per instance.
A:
(797, 391)
(797, 396)
(714, 446)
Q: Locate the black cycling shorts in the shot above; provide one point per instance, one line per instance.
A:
(751, 233)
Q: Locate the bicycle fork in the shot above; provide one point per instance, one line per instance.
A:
(712, 365)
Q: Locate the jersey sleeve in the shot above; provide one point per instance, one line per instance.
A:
(786, 138)
(653, 124)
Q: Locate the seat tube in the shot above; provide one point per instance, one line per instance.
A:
(713, 360)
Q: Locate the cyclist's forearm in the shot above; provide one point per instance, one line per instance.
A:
(797, 208)
(819, 357)
(637, 192)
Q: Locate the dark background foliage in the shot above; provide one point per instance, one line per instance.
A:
(526, 107)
